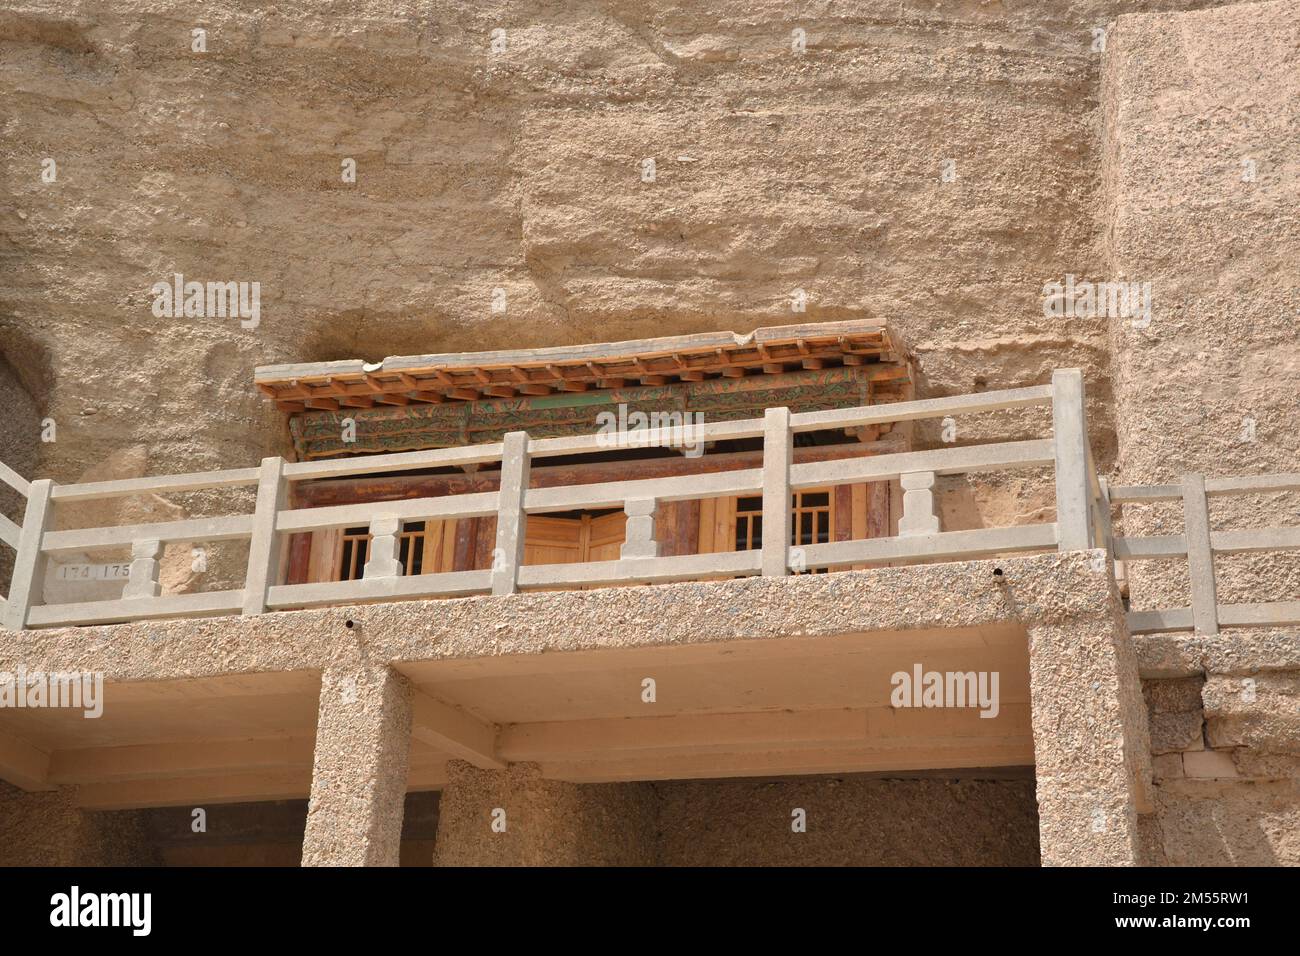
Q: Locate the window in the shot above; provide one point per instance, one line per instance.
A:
(411, 548)
(749, 523)
(810, 520)
(354, 551)
(354, 548)
(811, 517)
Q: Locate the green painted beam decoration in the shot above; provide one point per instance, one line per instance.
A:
(319, 434)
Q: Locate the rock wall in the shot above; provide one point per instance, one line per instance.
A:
(931, 165)
(1200, 190)
(522, 170)
(851, 821)
(268, 833)
(20, 429)
(1226, 760)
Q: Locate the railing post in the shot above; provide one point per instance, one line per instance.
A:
(264, 546)
(639, 538)
(778, 453)
(1200, 555)
(1105, 531)
(509, 552)
(384, 560)
(28, 579)
(918, 505)
(1070, 438)
(143, 582)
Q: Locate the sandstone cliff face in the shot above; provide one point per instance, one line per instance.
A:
(1201, 189)
(522, 170)
(1201, 192)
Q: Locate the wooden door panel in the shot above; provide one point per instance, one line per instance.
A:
(605, 537)
(439, 546)
(322, 565)
(552, 540)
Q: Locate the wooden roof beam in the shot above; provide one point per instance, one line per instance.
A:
(566, 384)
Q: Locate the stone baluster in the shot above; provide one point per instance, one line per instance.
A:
(918, 505)
(143, 582)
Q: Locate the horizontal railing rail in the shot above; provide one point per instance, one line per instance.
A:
(14, 480)
(1082, 512)
(1199, 545)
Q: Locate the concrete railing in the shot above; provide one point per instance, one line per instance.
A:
(1198, 544)
(1082, 515)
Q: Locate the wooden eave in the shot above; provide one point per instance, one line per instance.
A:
(472, 376)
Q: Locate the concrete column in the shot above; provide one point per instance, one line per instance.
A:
(41, 828)
(515, 817)
(1091, 742)
(363, 737)
(47, 828)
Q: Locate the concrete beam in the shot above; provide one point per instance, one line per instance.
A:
(23, 765)
(190, 758)
(452, 731)
(914, 733)
(195, 791)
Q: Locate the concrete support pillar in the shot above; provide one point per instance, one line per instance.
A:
(40, 828)
(363, 737)
(1091, 742)
(47, 828)
(515, 817)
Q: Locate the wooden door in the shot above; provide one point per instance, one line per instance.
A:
(605, 536)
(550, 540)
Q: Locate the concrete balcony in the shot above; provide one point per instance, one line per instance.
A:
(482, 683)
